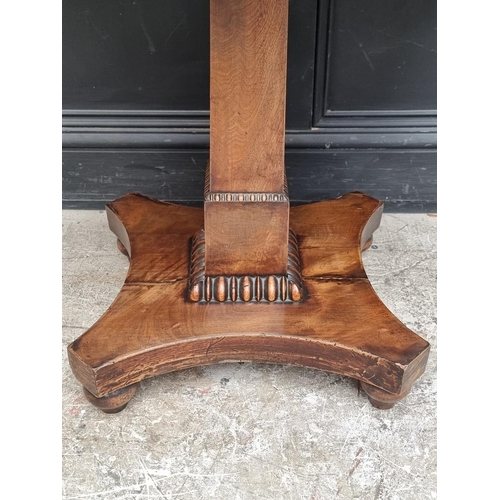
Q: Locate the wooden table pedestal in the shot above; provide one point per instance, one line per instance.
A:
(247, 278)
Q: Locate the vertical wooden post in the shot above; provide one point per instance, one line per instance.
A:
(246, 204)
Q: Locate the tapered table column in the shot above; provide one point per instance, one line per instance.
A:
(246, 204)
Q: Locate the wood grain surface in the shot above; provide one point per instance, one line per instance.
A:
(341, 326)
(246, 238)
(248, 42)
(248, 50)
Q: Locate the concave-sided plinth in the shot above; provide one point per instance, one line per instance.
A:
(339, 326)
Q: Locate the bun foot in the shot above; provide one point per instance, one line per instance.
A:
(115, 401)
(381, 399)
(122, 249)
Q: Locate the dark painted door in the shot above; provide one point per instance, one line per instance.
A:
(361, 100)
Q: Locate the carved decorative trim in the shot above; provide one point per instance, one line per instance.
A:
(246, 197)
(273, 288)
(251, 197)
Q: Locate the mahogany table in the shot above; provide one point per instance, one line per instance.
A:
(247, 278)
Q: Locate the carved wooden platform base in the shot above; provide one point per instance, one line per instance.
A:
(340, 325)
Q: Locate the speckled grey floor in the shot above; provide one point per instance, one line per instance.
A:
(245, 431)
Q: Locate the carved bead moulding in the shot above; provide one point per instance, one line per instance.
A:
(286, 288)
(248, 197)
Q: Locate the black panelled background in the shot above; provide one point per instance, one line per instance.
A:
(361, 100)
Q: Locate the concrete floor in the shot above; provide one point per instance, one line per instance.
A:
(245, 431)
